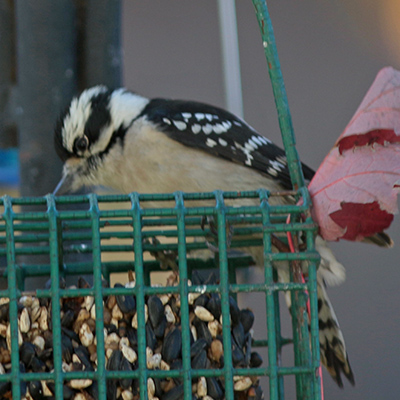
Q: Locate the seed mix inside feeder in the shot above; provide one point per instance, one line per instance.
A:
(163, 340)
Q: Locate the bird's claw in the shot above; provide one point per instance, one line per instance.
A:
(166, 258)
(213, 233)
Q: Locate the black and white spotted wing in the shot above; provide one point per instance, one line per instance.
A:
(220, 133)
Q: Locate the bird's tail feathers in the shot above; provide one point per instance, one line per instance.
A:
(330, 269)
(332, 345)
(380, 239)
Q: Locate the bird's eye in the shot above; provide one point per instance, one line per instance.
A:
(81, 145)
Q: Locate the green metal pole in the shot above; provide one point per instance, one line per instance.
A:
(304, 383)
(139, 287)
(224, 286)
(12, 288)
(278, 87)
(271, 320)
(54, 239)
(183, 291)
(314, 328)
(98, 297)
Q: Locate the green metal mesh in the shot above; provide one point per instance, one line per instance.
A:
(42, 239)
(48, 233)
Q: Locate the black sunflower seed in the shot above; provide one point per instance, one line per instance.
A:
(68, 319)
(84, 356)
(151, 340)
(200, 360)
(159, 330)
(238, 334)
(4, 387)
(214, 305)
(175, 393)
(126, 303)
(202, 331)
(26, 353)
(197, 346)
(131, 334)
(37, 365)
(156, 310)
(172, 345)
(247, 319)
(255, 360)
(66, 348)
(125, 365)
(214, 388)
(234, 310)
(36, 390)
(202, 301)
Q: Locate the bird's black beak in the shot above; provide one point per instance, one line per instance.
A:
(64, 186)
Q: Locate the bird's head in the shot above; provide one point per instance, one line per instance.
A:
(91, 127)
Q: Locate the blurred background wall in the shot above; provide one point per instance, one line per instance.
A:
(330, 52)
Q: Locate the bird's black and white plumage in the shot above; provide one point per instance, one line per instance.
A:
(100, 122)
(119, 139)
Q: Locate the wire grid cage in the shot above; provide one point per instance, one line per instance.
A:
(39, 237)
(56, 234)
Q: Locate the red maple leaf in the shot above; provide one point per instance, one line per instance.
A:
(355, 189)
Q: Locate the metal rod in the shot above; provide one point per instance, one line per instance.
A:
(278, 87)
(13, 306)
(270, 304)
(224, 287)
(230, 56)
(55, 232)
(136, 213)
(183, 292)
